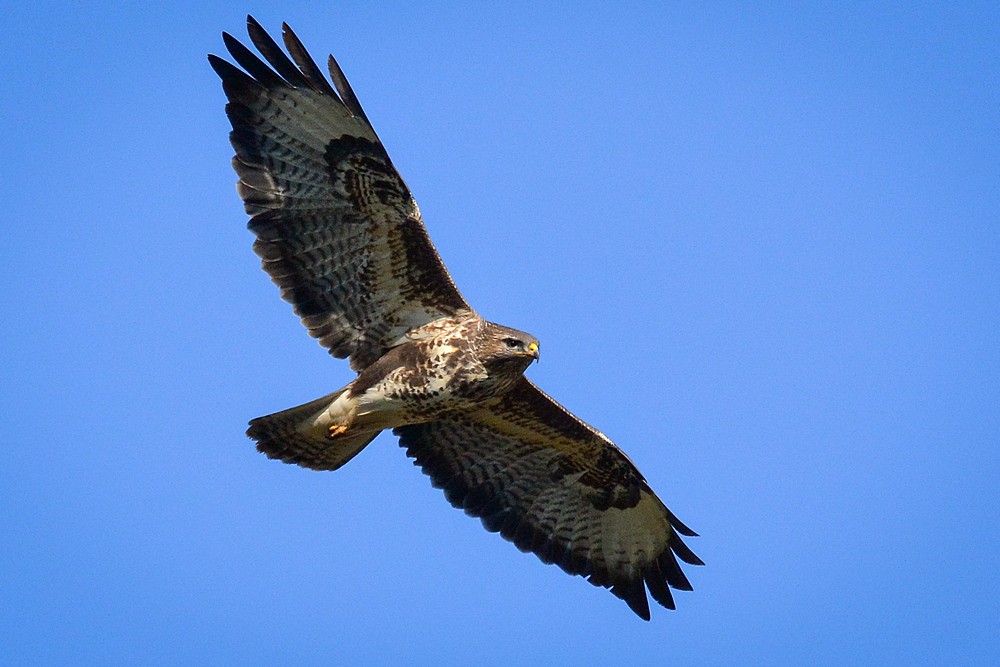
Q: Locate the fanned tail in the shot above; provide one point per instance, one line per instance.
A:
(300, 435)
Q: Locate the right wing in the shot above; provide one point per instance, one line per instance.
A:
(337, 229)
(552, 485)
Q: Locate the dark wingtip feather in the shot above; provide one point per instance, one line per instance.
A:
(346, 92)
(684, 552)
(679, 525)
(633, 593)
(222, 67)
(274, 55)
(239, 86)
(306, 64)
(668, 568)
(251, 63)
(656, 582)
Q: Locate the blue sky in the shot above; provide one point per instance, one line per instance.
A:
(760, 246)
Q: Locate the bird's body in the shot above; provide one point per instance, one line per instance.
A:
(449, 366)
(338, 231)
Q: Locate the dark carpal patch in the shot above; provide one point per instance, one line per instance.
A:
(365, 171)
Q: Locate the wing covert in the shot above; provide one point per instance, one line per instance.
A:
(337, 229)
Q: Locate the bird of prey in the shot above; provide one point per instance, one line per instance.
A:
(339, 232)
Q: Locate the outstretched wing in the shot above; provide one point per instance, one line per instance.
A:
(337, 229)
(554, 486)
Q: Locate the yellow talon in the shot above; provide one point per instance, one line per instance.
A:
(336, 429)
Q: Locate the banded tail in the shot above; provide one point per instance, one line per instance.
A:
(300, 435)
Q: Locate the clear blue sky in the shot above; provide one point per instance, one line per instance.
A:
(761, 248)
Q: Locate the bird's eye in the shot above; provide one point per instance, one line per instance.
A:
(513, 343)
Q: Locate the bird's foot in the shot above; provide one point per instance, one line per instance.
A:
(336, 430)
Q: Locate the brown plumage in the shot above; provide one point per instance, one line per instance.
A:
(338, 231)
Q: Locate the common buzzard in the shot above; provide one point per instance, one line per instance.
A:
(338, 231)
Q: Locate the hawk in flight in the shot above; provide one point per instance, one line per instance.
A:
(339, 232)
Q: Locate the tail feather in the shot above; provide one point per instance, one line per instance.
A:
(297, 435)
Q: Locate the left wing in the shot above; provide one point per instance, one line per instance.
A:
(553, 485)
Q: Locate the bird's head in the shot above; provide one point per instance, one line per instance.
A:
(510, 347)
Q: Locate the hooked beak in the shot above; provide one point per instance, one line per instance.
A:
(533, 350)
